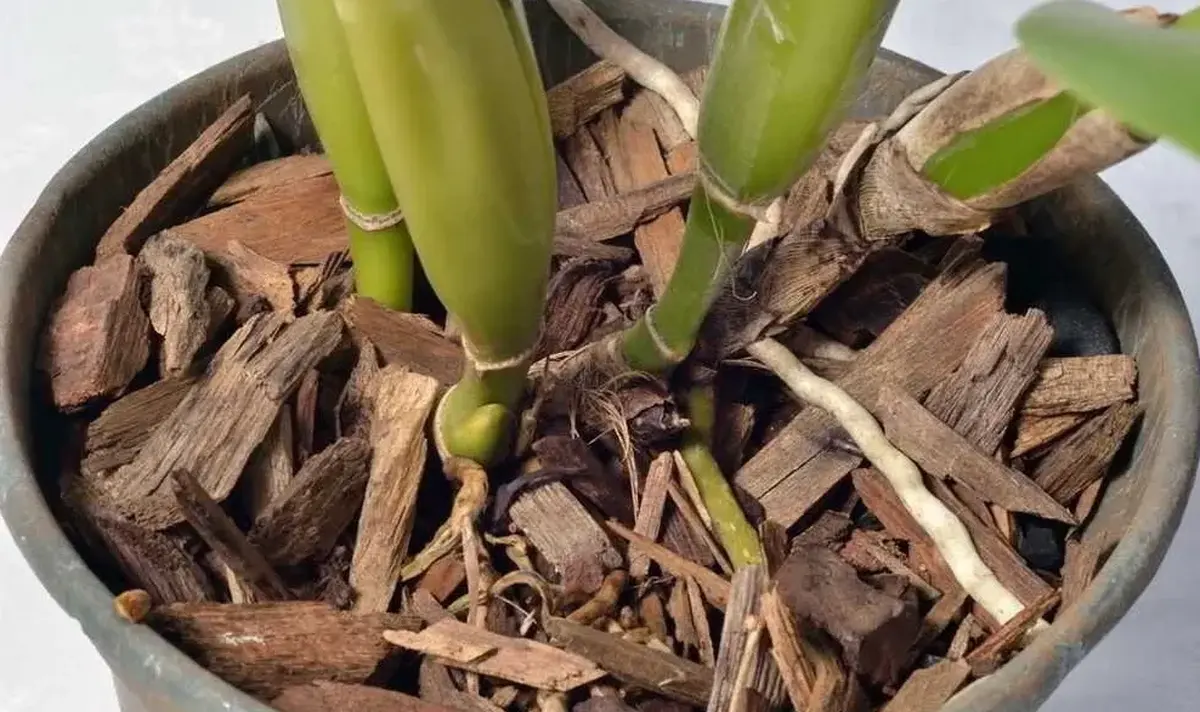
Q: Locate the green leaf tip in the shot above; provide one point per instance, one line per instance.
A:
(1145, 75)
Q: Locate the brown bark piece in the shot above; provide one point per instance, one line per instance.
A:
(438, 687)
(1035, 432)
(1081, 384)
(179, 307)
(266, 648)
(980, 398)
(565, 533)
(874, 630)
(221, 305)
(583, 155)
(743, 614)
(649, 515)
(1081, 563)
(651, 109)
(98, 337)
(952, 311)
(577, 100)
(268, 175)
(654, 615)
(184, 183)
(305, 521)
(219, 423)
(636, 161)
(519, 660)
(443, 578)
(858, 310)
(410, 340)
(870, 545)
(633, 664)
(618, 215)
(926, 690)
(305, 410)
(570, 193)
(700, 624)
(325, 696)
(356, 401)
(813, 675)
(716, 589)
(149, 560)
(248, 276)
(939, 618)
(942, 452)
(223, 536)
(1085, 456)
(679, 606)
(296, 223)
(830, 530)
(402, 404)
(269, 471)
(114, 438)
(986, 658)
(573, 305)
(883, 502)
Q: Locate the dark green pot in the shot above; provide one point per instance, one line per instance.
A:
(1116, 260)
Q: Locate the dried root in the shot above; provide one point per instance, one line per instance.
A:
(468, 504)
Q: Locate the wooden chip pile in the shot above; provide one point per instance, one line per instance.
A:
(248, 461)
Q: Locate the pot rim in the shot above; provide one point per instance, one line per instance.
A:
(139, 656)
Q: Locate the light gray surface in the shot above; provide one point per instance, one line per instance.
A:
(69, 68)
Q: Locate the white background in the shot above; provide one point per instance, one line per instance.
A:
(68, 68)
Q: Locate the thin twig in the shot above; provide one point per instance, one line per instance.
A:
(946, 530)
(644, 69)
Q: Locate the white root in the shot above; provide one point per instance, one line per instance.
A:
(644, 69)
(946, 530)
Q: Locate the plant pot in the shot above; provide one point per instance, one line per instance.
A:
(1117, 262)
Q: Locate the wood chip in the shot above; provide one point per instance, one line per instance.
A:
(355, 404)
(636, 162)
(249, 276)
(874, 630)
(267, 175)
(939, 618)
(812, 673)
(151, 561)
(573, 305)
(325, 696)
(408, 340)
(223, 536)
(1082, 562)
(1081, 384)
(942, 452)
(654, 615)
(266, 648)
(1034, 432)
(980, 398)
(219, 423)
(716, 589)
(870, 545)
(621, 214)
(116, 437)
(583, 155)
(564, 532)
(633, 664)
(570, 193)
(1086, 454)
(742, 627)
(967, 631)
(305, 521)
(986, 658)
(98, 337)
(269, 471)
(872, 298)
(296, 223)
(402, 404)
(184, 183)
(679, 606)
(928, 689)
(700, 624)
(519, 660)
(438, 687)
(443, 578)
(305, 410)
(179, 308)
(574, 102)
(649, 516)
(953, 310)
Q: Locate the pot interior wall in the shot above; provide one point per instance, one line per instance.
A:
(1117, 261)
